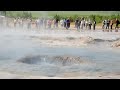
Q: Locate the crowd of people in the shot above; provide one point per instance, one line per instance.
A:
(43, 23)
(108, 25)
(84, 24)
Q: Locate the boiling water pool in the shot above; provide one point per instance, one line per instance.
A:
(16, 46)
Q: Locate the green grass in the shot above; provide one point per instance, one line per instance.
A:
(72, 13)
(69, 13)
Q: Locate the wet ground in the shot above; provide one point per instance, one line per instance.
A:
(22, 53)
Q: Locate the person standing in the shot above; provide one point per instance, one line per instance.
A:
(1, 22)
(111, 25)
(67, 23)
(94, 24)
(86, 24)
(103, 25)
(64, 23)
(29, 24)
(76, 23)
(21, 23)
(89, 24)
(108, 24)
(117, 23)
(41, 23)
(37, 23)
(56, 23)
(45, 23)
(49, 23)
(15, 22)
(82, 23)
(79, 22)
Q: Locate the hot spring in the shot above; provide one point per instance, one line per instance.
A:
(28, 53)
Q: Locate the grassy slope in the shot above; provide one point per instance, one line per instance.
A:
(70, 13)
